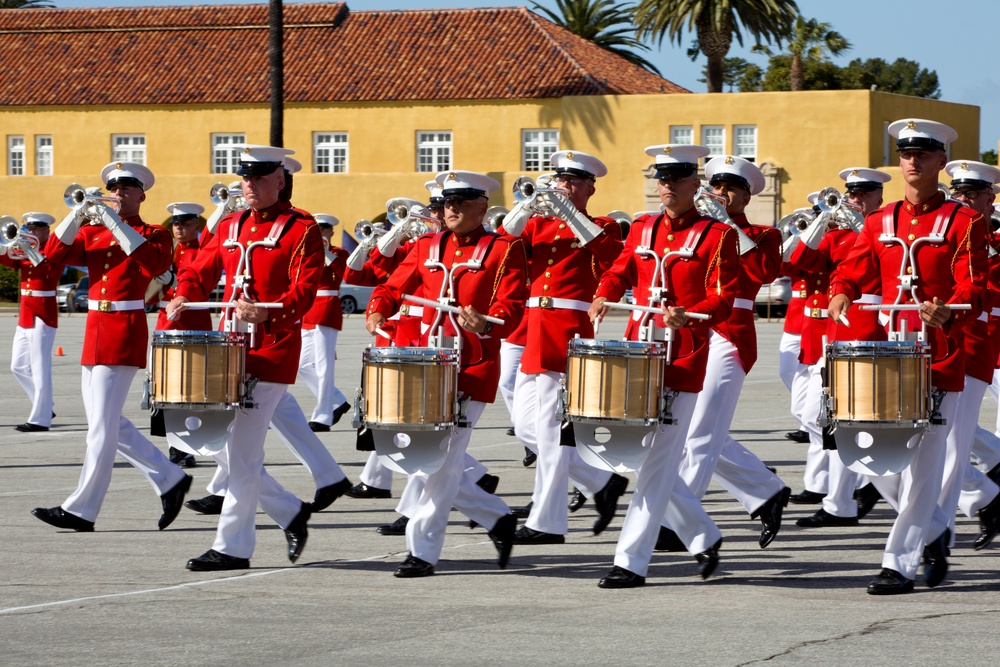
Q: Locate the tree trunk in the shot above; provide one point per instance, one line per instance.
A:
(275, 58)
(715, 46)
(795, 75)
(715, 74)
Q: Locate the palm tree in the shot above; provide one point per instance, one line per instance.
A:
(813, 40)
(24, 4)
(604, 22)
(716, 23)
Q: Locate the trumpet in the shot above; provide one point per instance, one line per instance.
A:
(621, 217)
(412, 215)
(79, 199)
(19, 242)
(712, 205)
(842, 212)
(232, 198)
(368, 232)
(526, 191)
(494, 218)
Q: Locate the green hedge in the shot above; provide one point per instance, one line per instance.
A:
(9, 284)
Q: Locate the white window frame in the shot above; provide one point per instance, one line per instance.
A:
(537, 146)
(128, 148)
(225, 158)
(15, 155)
(677, 134)
(715, 149)
(331, 152)
(740, 147)
(440, 150)
(44, 155)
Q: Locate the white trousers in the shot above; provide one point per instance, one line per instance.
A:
(473, 470)
(104, 390)
(510, 361)
(316, 369)
(710, 452)
(986, 446)
(914, 495)
(290, 424)
(537, 421)
(249, 484)
(443, 490)
(956, 463)
(788, 359)
(31, 364)
(375, 474)
(659, 493)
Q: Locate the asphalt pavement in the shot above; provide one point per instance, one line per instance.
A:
(121, 595)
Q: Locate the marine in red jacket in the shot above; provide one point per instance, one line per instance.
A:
(184, 222)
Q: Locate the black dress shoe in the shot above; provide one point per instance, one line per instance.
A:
(619, 577)
(503, 536)
(770, 516)
(889, 582)
(797, 436)
(297, 532)
(316, 427)
(806, 498)
(362, 490)
(213, 560)
(510, 431)
(60, 518)
(488, 483)
(525, 535)
(397, 527)
(529, 457)
(866, 496)
(28, 427)
(173, 501)
(823, 519)
(414, 567)
(522, 512)
(989, 524)
(935, 559)
(324, 497)
(606, 501)
(340, 411)
(993, 474)
(182, 458)
(206, 505)
(577, 500)
(669, 541)
(708, 560)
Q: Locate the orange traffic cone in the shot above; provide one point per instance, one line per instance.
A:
(59, 351)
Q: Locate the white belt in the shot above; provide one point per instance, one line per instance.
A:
(163, 304)
(547, 302)
(995, 312)
(745, 304)
(816, 313)
(114, 306)
(983, 316)
(327, 292)
(38, 292)
(874, 299)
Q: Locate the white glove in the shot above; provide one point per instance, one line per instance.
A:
(168, 278)
(330, 257)
(582, 226)
(356, 262)
(67, 229)
(389, 242)
(788, 247)
(127, 238)
(213, 220)
(816, 230)
(515, 220)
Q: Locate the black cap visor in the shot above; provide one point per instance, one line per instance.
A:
(675, 170)
(257, 168)
(125, 180)
(918, 144)
(729, 177)
(462, 194)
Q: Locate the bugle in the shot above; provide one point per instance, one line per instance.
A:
(78, 199)
(19, 243)
(713, 206)
(494, 218)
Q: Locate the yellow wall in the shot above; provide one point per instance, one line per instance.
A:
(809, 135)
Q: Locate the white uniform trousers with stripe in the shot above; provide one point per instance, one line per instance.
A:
(31, 364)
(104, 390)
(317, 362)
(510, 362)
(473, 470)
(986, 446)
(788, 368)
(825, 471)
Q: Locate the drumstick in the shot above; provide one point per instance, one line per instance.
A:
(445, 307)
(652, 309)
(843, 320)
(915, 306)
(381, 332)
(205, 305)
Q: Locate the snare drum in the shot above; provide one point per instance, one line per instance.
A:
(877, 384)
(614, 381)
(409, 387)
(198, 369)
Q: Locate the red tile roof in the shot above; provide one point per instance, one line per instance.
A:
(218, 54)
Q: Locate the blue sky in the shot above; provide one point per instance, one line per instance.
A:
(962, 56)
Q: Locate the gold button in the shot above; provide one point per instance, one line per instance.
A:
(114, 243)
(666, 250)
(254, 228)
(182, 252)
(557, 237)
(819, 282)
(909, 269)
(927, 207)
(109, 254)
(458, 253)
(107, 266)
(551, 262)
(104, 278)
(104, 290)
(548, 274)
(670, 237)
(816, 292)
(914, 222)
(553, 250)
(574, 244)
(562, 225)
(912, 236)
(545, 287)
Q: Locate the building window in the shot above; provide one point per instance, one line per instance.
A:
(330, 152)
(537, 147)
(15, 156)
(713, 137)
(43, 155)
(433, 151)
(745, 142)
(681, 134)
(226, 158)
(128, 148)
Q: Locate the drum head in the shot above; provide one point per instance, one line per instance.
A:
(200, 432)
(878, 451)
(612, 446)
(412, 451)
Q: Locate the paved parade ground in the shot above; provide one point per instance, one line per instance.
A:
(121, 595)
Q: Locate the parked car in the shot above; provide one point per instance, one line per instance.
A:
(63, 293)
(774, 296)
(354, 298)
(80, 295)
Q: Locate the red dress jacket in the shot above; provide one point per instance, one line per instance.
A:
(326, 311)
(705, 283)
(288, 273)
(498, 289)
(953, 271)
(404, 329)
(115, 337)
(185, 254)
(757, 267)
(562, 268)
(34, 279)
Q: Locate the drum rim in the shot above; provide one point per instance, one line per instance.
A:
(411, 353)
(185, 335)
